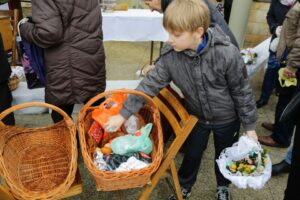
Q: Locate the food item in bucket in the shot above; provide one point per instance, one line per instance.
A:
(253, 164)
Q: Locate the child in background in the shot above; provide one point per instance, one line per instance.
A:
(210, 72)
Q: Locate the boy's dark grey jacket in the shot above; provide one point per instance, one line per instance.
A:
(214, 82)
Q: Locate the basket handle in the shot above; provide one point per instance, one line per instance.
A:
(14, 108)
(126, 91)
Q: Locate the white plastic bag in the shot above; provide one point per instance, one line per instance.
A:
(239, 151)
(132, 124)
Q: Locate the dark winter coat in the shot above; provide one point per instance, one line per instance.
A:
(70, 33)
(5, 69)
(276, 15)
(213, 82)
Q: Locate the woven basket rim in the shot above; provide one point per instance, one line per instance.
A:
(133, 173)
(22, 192)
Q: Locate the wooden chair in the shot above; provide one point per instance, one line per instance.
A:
(8, 29)
(182, 124)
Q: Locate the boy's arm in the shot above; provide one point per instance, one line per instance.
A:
(155, 80)
(240, 90)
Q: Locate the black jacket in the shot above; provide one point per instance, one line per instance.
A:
(276, 15)
(5, 69)
(215, 18)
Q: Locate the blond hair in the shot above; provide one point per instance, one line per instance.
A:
(186, 15)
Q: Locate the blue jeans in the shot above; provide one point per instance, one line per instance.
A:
(270, 77)
(288, 156)
(224, 136)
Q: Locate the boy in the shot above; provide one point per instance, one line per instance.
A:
(209, 71)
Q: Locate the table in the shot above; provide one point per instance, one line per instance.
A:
(134, 25)
(262, 50)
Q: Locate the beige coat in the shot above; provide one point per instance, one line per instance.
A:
(290, 37)
(70, 31)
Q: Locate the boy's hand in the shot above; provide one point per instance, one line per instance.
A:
(114, 123)
(252, 134)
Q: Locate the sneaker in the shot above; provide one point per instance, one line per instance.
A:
(223, 193)
(186, 192)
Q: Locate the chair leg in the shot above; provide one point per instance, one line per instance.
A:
(154, 180)
(175, 180)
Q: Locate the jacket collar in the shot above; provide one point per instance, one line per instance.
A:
(215, 36)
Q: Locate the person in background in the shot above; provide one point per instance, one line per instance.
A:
(282, 132)
(292, 189)
(284, 166)
(70, 32)
(227, 10)
(5, 93)
(209, 71)
(290, 39)
(215, 16)
(275, 17)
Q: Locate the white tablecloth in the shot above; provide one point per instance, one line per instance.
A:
(133, 25)
(262, 50)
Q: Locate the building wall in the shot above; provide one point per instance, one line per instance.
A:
(257, 28)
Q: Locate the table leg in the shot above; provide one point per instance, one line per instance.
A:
(151, 52)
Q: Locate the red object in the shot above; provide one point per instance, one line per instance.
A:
(137, 133)
(96, 132)
(145, 155)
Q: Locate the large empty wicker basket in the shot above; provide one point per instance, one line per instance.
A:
(109, 180)
(38, 163)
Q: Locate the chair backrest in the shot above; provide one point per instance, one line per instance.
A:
(180, 120)
(8, 28)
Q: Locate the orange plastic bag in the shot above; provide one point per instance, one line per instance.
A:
(110, 107)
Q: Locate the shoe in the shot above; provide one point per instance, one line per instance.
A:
(279, 168)
(269, 141)
(186, 193)
(260, 103)
(223, 193)
(268, 126)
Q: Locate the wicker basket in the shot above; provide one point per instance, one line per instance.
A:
(108, 180)
(13, 83)
(38, 163)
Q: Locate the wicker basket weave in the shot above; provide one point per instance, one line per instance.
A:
(13, 83)
(38, 163)
(108, 180)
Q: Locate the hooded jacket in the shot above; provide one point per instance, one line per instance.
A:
(213, 82)
(70, 31)
(215, 18)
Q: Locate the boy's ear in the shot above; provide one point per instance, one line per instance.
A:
(200, 31)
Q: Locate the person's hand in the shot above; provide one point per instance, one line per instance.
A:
(289, 72)
(252, 134)
(147, 68)
(114, 123)
(278, 31)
